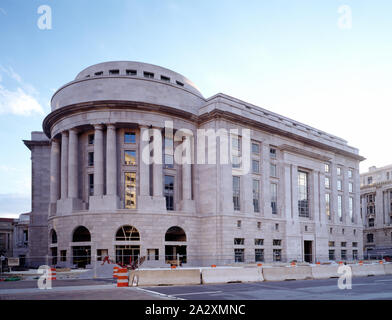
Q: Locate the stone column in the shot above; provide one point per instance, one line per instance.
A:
(64, 164)
(73, 164)
(111, 161)
(98, 160)
(54, 175)
(144, 162)
(157, 165)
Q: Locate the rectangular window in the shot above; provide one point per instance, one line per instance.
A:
(236, 193)
(276, 242)
(130, 157)
(114, 72)
(328, 205)
(130, 190)
(327, 183)
(258, 225)
(169, 192)
(343, 244)
(343, 254)
(338, 171)
(148, 74)
(326, 167)
(91, 184)
(63, 255)
(239, 241)
(355, 254)
(179, 83)
(90, 159)
(273, 170)
(351, 208)
(239, 223)
(350, 187)
(371, 222)
(277, 253)
(235, 151)
(331, 254)
(340, 208)
(369, 237)
(255, 166)
(90, 139)
(259, 242)
(350, 173)
(255, 148)
(259, 255)
(272, 153)
(101, 254)
(239, 255)
(100, 73)
(129, 137)
(131, 72)
(370, 180)
(256, 195)
(163, 78)
(339, 185)
(153, 254)
(303, 194)
(274, 196)
(331, 243)
(168, 147)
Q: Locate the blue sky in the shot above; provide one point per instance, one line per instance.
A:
(290, 57)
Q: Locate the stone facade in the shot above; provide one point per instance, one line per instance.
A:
(88, 173)
(376, 211)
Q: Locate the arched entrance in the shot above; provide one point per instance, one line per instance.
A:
(81, 255)
(175, 246)
(129, 251)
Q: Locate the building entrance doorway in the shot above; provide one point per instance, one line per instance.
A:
(81, 256)
(308, 257)
(126, 254)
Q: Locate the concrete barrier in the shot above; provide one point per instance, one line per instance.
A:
(388, 268)
(368, 270)
(287, 273)
(325, 271)
(225, 275)
(164, 277)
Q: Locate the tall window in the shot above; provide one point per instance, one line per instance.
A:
(130, 190)
(235, 151)
(256, 195)
(91, 184)
(91, 139)
(239, 255)
(328, 205)
(130, 157)
(236, 193)
(259, 255)
(255, 148)
(340, 208)
(129, 137)
(338, 171)
(327, 183)
(274, 197)
(350, 187)
(91, 159)
(272, 153)
(339, 185)
(351, 208)
(350, 173)
(273, 170)
(369, 237)
(326, 167)
(303, 194)
(255, 166)
(169, 192)
(168, 152)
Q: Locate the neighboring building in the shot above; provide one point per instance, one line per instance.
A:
(376, 211)
(14, 238)
(93, 195)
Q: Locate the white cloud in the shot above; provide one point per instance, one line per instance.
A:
(18, 102)
(21, 101)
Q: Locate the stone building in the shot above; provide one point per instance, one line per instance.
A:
(94, 196)
(376, 211)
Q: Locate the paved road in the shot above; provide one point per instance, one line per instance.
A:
(363, 288)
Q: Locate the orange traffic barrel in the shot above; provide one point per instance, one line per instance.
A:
(115, 270)
(122, 277)
(381, 262)
(213, 266)
(361, 263)
(52, 274)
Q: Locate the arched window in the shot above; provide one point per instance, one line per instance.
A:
(53, 236)
(175, 234)
(127, 233)
(81, 234)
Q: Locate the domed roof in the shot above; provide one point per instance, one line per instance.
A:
(138, 69)
(136, 82)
